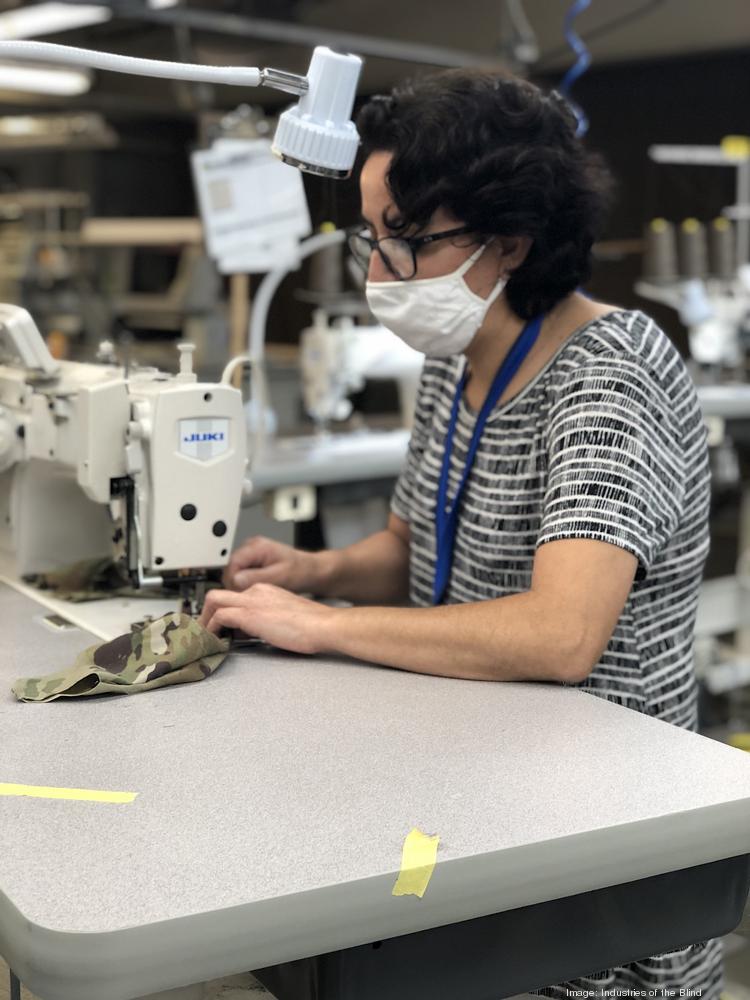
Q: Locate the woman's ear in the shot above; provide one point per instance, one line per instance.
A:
(513, 251)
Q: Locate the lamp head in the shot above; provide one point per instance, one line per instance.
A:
(317, 134)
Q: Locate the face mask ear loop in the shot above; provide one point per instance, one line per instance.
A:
(499, 284)
(461, 271)
(498, 289)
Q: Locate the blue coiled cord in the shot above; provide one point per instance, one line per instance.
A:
(579, 67)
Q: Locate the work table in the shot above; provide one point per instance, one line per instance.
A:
(274, 798)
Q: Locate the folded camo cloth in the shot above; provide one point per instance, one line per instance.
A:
(173, 649)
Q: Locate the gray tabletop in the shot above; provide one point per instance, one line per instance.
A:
(275, 796)
(725, 400)
(329, 458)
(347, 456)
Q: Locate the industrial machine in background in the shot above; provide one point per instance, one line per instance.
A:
(344, 346)
(41, 264)
(315, 134)
(98, 460)
(337, 356)
(346, 474)
(701, 269)
(148, 324)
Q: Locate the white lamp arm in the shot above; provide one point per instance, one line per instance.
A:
(238, 76)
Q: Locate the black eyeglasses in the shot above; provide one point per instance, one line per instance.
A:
(398, 253)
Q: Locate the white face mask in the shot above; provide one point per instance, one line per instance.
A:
(437, 316)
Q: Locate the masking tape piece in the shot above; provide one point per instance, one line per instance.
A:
(418, 859)
(80, 794)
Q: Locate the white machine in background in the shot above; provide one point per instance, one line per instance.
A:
(95, 460)
(316, 135)
(709, 291)
(293, 472)
(253, 206)
(703, 272)
(716, 313)
(719, 336)
(336, 357)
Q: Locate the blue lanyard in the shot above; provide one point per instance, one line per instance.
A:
(446, 516)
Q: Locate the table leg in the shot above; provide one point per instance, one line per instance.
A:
(15, 986)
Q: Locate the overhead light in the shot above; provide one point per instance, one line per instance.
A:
(160, 4)
(50, 18)
(42, 80)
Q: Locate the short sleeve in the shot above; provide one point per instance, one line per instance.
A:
(616, 470)
(404, 488)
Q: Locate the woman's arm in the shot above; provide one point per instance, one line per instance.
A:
(374, 570)
(556, 630)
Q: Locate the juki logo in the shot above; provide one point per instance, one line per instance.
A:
(192, 438)
(204, 438)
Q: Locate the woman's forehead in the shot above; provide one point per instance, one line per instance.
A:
(376, 198)
(373, 184)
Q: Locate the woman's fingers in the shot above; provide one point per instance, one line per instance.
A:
(228, 617)
(251, 553)
(259, 560)
(247, 577)
(269, 613)
(216, 599)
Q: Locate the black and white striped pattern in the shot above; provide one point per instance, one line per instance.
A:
(607, 442)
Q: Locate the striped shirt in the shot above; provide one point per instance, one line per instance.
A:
(606, 442)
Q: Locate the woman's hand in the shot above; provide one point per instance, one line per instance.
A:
(272, 614)
(262, 560)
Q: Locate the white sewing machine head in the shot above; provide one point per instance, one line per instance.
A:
(336, 357)
(147, 466)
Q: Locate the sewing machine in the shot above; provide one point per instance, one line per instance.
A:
(336, 357)
(97, 460)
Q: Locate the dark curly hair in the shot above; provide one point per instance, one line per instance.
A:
(503, 158)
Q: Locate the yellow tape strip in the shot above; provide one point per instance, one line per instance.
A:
(80, 794)
(418, 860)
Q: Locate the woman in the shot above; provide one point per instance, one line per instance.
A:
(550, 522)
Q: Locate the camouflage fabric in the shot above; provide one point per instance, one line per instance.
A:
(173, 649)
(89, 580)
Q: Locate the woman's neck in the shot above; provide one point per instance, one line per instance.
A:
(501, 327)
(492, 341)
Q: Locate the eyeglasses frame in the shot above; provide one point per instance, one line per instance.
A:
(414, 243)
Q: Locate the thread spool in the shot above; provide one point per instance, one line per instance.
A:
(693, 250)
(660, 260)
(722, 240)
